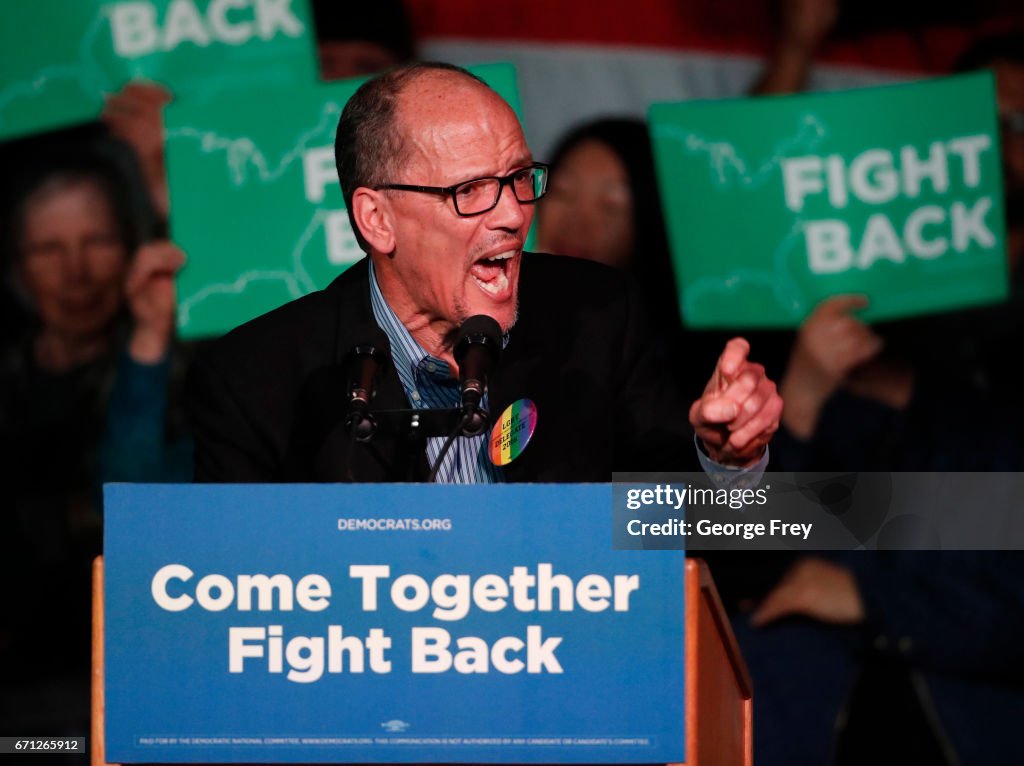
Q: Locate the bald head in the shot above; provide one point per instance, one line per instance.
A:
(436, 92)
(438, 116)
(370, 145)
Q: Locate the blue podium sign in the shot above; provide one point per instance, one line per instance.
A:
(386, 623)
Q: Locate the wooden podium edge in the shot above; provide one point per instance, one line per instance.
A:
(97, 745)
(698, 584)
(701, 586)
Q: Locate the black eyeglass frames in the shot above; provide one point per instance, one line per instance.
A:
(478, 195)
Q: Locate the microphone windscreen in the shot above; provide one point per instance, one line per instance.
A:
(479, 329)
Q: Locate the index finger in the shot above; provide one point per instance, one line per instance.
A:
(732, 358)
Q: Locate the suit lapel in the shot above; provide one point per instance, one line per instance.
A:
(520, 376)
(387, 457)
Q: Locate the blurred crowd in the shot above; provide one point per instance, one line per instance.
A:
(893, 657)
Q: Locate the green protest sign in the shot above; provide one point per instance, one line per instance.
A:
(59, 57)
(255, 199)
(773, 204)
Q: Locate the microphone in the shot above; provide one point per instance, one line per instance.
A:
(477, 348)
(366, 361)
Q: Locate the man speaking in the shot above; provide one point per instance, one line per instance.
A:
(440, 186)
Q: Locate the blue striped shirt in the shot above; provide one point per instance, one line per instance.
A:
(428, 384)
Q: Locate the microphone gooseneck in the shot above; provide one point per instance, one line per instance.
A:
(477, 349)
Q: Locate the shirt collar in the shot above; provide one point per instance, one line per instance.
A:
(409, 356)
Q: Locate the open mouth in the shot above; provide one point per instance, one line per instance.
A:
(492, 274)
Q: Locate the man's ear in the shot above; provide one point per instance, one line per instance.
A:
(372, 213)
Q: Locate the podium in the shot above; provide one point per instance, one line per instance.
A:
(718, 688)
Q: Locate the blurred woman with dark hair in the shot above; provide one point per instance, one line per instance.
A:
(83, 399)
(603, 205)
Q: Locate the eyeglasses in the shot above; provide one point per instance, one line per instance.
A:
(479, 195)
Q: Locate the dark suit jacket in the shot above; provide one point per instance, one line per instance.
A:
(267, 402)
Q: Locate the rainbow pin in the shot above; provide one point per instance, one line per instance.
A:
(513, 431)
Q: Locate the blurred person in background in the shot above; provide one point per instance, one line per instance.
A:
(85, 397)
(90, 370)
(837, 355)
(905, 395)
(358, 40)
(898, 656)
(603, 205)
